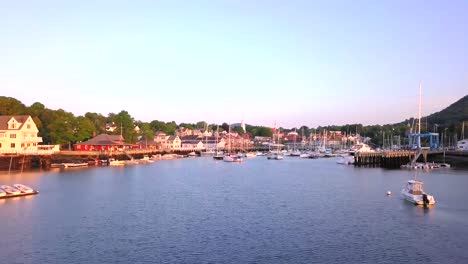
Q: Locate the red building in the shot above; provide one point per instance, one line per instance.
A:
(103, 142)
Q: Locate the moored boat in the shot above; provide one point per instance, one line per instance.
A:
(250, 155)
(23, 188)
(275, 156)
(413, 192)
(232, 158)
(10, 190)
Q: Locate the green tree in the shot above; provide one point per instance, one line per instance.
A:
(125, 126)
(99, 122)
(84, 129)
(146, 131)
(62, 128)
(11, 106)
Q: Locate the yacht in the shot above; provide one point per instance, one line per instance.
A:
(232, 158)
(295, 153)
(219, 155)
(23, 188)
(275, 156)
(413, 192)
(346, 159)
(10, 190)
(360, 147)
(208, 153)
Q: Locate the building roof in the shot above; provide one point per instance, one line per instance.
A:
(191, 137)
(104, 139)
(171, 138)
(4, 121)
(159, 133)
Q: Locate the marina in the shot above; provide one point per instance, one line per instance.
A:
(200, 209)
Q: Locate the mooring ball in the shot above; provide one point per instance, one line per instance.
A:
(389, 193)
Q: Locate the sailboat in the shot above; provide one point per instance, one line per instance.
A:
(230, 157)
(277, 155)
(295, 152)
(208, 151)
(218, 154)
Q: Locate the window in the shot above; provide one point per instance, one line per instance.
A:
(12, 135)
(22, 145)
(28, 126)
(34, 144)
(13, 125)
(0, 145)
(12, 145)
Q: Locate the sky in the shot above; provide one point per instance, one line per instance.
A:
(290, 62)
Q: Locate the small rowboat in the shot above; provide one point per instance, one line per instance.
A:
(23, 188)
(10, 190)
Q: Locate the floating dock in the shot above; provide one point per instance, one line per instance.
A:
(18, 195)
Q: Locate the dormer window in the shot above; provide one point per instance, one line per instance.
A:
(13, 125)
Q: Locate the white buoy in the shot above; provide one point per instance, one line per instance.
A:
(389, 193)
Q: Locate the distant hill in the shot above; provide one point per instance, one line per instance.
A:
(455, 113)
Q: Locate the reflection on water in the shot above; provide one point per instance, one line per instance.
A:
(203, 211)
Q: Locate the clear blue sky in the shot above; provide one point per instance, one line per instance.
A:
(296, 62)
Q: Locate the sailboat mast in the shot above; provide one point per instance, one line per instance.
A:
(419, 110)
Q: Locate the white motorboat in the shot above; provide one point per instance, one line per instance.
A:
(250, 155)
(192, 154)
(275, 156)
(304, 155)
(232, 158)
(10, 190)
(208, 153)
(259, 153)
(113, 162)
(360, 147)
(145, 159)
(295, 153)
(347, 159)
(413, 192)
(219, 155)
(23, 188)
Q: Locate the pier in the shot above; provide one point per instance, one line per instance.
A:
(394, 159)
(385, 159)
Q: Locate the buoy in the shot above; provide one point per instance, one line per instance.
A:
(389, 193)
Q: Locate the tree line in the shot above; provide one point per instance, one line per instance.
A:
(62, 127)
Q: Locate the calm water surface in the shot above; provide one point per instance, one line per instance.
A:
(205, 211)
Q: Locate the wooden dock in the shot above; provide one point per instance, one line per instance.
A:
(385, 159)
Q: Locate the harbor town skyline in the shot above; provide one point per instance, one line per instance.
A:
(296, 63)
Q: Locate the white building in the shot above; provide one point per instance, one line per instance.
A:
(18, 134)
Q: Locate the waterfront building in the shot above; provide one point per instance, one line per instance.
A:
(18, 134)
(172, 143)
(192, 144)
(103, 142)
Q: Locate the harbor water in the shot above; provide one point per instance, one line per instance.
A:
(260, 211)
